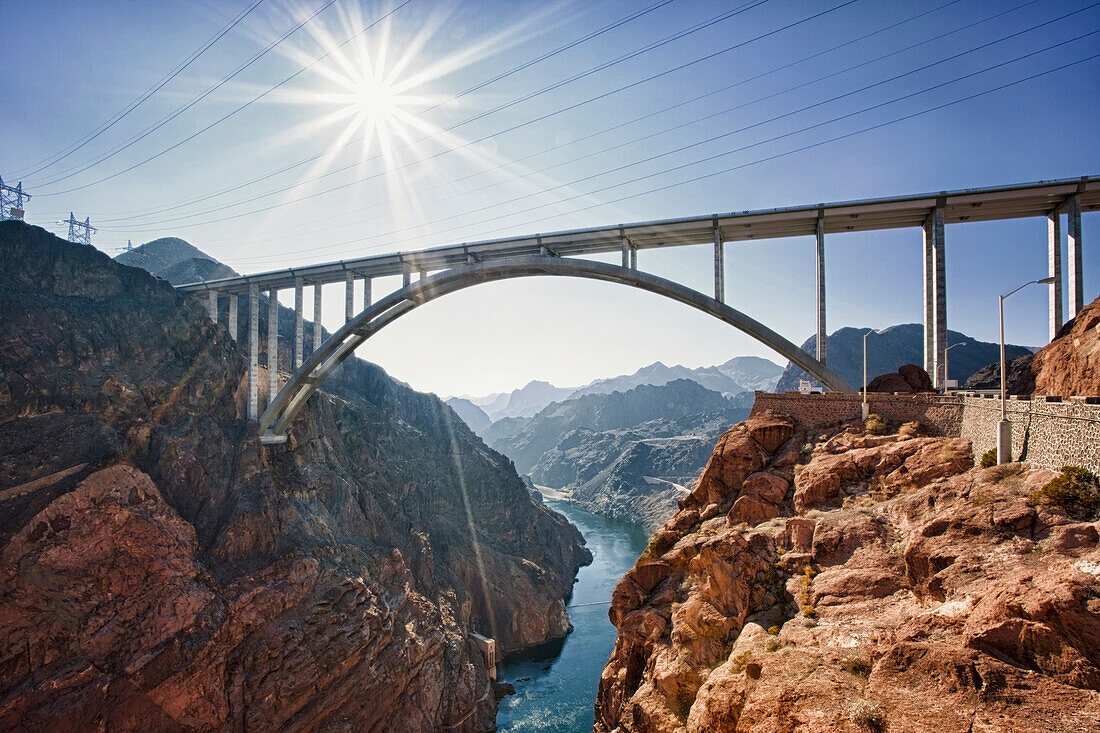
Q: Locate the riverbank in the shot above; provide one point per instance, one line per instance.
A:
(556, 684)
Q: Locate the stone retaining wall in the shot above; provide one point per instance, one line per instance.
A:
(1049, 434)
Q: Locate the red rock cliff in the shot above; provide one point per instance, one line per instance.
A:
(159, 570)
(837, 581)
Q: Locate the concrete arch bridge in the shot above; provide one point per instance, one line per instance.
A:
(444, 270)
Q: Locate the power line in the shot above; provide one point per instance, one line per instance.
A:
(499, 132)
(685, 147)
(195, 100)
(694, 29)
(179, 68)
(550, 54)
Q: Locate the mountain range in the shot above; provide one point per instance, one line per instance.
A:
(627, 455)
(739, 374)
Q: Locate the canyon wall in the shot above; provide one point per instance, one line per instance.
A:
(159, 569)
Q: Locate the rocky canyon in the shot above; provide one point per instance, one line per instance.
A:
(161, 570)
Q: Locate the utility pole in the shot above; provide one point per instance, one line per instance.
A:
(11, 201)
(80, 232)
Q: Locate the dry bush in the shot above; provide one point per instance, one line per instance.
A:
(1076, 490)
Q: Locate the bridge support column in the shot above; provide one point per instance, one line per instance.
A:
(299, 322)
(1054, 268)
(822, 334)
(366, 293)
(317, 329)
(625, 243)
(935, 297)
(1073, 256)
(719, 265)
(272, 345)
(633, 257)
(406, 277)
(233, 315)
(423, 274)
(212, 305)
(349, 296)
(253, 352)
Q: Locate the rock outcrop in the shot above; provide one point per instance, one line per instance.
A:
(160, 570)
(1068, 366)
(839, 581)
(909, 378)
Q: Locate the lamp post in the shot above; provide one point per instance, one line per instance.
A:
(946, 372)
(866, 409)
(1004, 427)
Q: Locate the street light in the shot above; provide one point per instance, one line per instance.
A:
(866, 410)
(946, 372)
(1004, 427)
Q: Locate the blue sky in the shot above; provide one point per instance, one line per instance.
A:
(506, 159)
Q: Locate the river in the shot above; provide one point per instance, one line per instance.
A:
(556, 684)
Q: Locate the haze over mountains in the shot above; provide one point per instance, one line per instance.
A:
(628, 455)
(740, 374)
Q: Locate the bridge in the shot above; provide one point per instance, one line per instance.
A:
(447, 269)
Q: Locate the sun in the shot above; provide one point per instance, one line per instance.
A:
(375, 100)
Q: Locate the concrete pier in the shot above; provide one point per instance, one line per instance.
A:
(366, 293)
(299, 322)
(719, 265)
(1073, 256)
(406, 276)
(317, 329)
(253, 352)
(819, 261)
(625, 244)
(212, 306)
(233, 305)
(349, 296)
(1054, 269)
(272, 345)
(935, 297)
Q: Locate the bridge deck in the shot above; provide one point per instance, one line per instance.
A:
(970, 205)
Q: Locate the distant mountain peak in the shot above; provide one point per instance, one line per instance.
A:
(175, 260)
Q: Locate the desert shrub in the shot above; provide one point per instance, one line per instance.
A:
(1005, 470)
(738, 663)
(857, 662)
(774, 629)
(989, 458)
(1076, 490)
(867, 714)
(875, 425)
(909, 429)
(772, 644)
(805, 606)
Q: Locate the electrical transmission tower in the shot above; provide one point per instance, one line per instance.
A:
(11, 201)
(80, 232)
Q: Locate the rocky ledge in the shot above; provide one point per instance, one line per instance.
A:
(840, 581)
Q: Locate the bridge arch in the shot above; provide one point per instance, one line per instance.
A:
(307, 379)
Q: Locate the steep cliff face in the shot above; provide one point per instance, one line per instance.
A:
(1070, 365)
(160, 570)
(837, 581)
